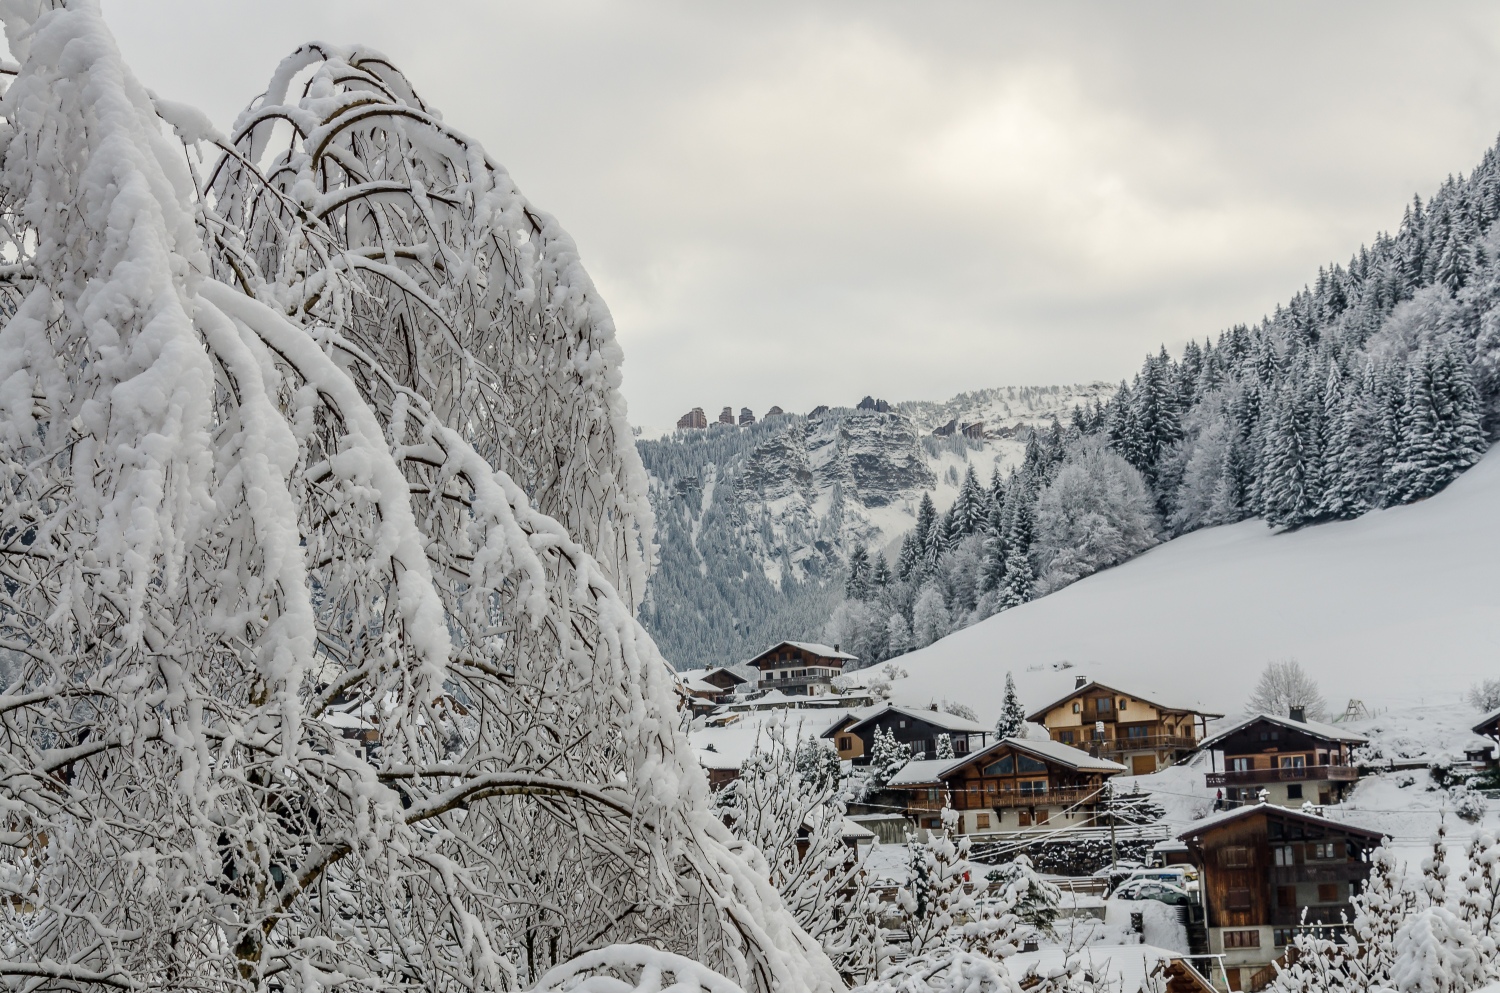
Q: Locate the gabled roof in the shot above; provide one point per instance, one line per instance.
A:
(1218, 820)
(825, 651)
(1315, 728)
(1487, 723)
(687, 675)
(938, 718)
(851, 716)
(933, 770)
(1094, 685)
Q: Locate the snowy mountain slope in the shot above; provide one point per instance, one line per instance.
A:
(1397, 607)
(755, 523)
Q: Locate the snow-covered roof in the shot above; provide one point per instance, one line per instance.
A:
(1094, 684)
(715, 760)
(854, 831)
(1234, 814)
(1487, 722)
(855, 714)
(923, 771)
(939, 718)
(1121, 967)
(1056, 751)
(699, 686)
(812, 647)
(1316, 728)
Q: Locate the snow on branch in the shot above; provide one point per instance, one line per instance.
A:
(319, 497)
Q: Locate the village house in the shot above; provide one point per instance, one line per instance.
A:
(1266, 873)
(1487, 728)
(1293, 760)
(1108, 723)
(704, 690)
(798, 668)
(853, 733)
(1016, 784)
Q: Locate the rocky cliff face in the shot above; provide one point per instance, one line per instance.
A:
(756, 521)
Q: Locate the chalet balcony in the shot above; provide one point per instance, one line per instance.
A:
(1291, 774)
(1314, 872)
(1005, 799)
(1331, 914)
(1113, 747)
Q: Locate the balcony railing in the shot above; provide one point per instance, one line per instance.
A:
(1316, 916)
(1145, 743)
(1001, 799)
(1315, 872)
(1290, 774)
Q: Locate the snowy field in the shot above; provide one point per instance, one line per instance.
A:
(1395, 608)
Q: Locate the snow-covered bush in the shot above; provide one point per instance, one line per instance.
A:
(316, 427)
(1030, 897)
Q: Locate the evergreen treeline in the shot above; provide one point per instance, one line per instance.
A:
(710, 601)
(1375, 386)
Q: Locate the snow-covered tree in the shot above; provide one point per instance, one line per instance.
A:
(1097, 512)
(935, 897)
(1031, 898)
(887, 757)
(1285, 684)
(930, 619)
(1012, 720)
(944, 746)
(325, 434)
(785, 804)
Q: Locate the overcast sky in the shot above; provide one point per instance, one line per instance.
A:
(804, 203)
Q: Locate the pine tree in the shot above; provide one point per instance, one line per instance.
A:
(857, 584)
(969, 507)
(887, 757)
(944, 746)
(1012, 722)
(1440, 433)
(927, 520)
(1019, 579)
(880, 576)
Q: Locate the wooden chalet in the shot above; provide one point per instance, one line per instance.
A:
(799, 668)
(1016, 784)
(853, 733)
(1266, 873)
(1109, 723)
(1487, 728)
(706, 689)
(1293, 760)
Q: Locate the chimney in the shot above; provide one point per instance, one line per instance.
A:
(1297, 714)
(1079, 682)
(835, 647)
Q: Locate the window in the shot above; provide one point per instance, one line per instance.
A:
(1077, 706)
(1238, 900)
(1283, 855)
(1241, 764)
(1137, 731)
(1294, 791)
(1328, 850)
(1032, 787)
(1122, 704)
(1294, 761)
(1066, 737)
(1029, 764)
(1286, 896)
(1242, 939)
(1004, 766)
(1328, 892)
(845, 744)
(903, 724)
(1104, 704)
(981, 822)
(1235, 857)
(1283, 935)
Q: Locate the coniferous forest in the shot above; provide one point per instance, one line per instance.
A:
(1376, 385)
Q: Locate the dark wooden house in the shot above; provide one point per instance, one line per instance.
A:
(1293, 760)
(1108, 723)
(1266, 872)
(1016, 784)
(799, 668)
(705, 690)
(853, 734)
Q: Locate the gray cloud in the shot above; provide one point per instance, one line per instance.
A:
(805, 202)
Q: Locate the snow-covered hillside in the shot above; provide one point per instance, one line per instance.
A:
(1397, 607)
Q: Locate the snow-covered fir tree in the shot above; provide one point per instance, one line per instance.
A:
(1012, 720)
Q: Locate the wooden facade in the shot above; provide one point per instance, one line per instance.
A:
(1292, 760)
(1012, 785)
(800, 668)
(1265, 873)
(1108, 723)
(854, 735)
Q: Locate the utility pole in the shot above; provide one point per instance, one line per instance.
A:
(1114, 852)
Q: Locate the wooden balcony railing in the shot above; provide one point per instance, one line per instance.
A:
(1290, 774)
(1146, 743)
(1004, 799)
(1320, 872)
